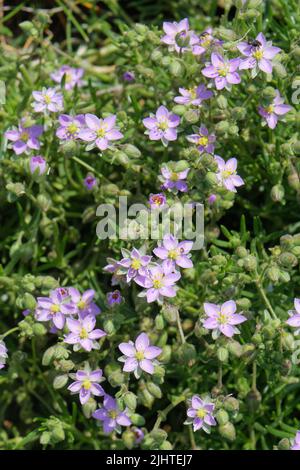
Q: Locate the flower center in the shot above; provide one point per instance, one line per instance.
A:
(157, 283)
(113, 414)
(270, 109)
(258, 54)
(192, 92)
(47, 99)
(157, 200)
(55, 308)
(81, 305)
(206, 42)
(135, 263)
(172, 254)
(68, 77)
(227, 173)
(201, 413)
(222, 318)
(101, 132)
(72, 129)
(203, 141)
(24, 136)
(139, 355)
(223, 70)
(174, 177)
(86, 384)
(163, 125)
(83, 334)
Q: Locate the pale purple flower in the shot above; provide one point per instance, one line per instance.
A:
(47, 100)
(159, 282)
(259, 55)
(139, 435)
(90, 181)
(37, 164)
(84, 303)
(54, 308)
(87, 384)
(114, 268)
(83, 333)
(194, 95)
(200, 414)
(100, 132)
(294, 315)
(296, 442)
(276, 109)
(203, 139)
(72, 76)
(180, 38)
(177, 253)
(212, 199)
(174, 180)
(128, 76)
(222, 318)
(223, 71)
(207, 40)
(24, 138)
(111, 416)
(162, 125)
(3, 354)
(139, 356)
(70, 126)
(157, 201)
(133, 263)
(227, 175)
(114, 297)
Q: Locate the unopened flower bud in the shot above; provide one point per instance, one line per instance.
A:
(284, 444)
(228, 431)
(222, 354)
(277, 193)
(253, 400)
(222, 417)
(231, 404)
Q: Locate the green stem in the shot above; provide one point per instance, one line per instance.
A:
(87, 166)
(12, 330)
(162, 415)
(265, 298)
(192, 438)
(180, 328)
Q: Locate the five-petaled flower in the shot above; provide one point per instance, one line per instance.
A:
(83, 333)
(139, 356)
(259, 55)
(276, 109)
(181, 38)
(222, 318)
(111, 416)
(174, 180)
(54, 308)
(227, 175)
(162, 125)
(100, 132)
(25, 138)
(133, 263)
(200, 414)
(87, 384)
(70, 126)
(203, 140)
(296, 442)
(223, 71)
(114, 297)
(47, 100)
(72, 76)
(194, 95)
(157, 201)
(177, 253)
(159, 282)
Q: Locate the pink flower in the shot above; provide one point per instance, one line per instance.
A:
(90, 181)
(294, 315)
(180, 38)
(223, 71)
(203, 140)
(227, 175)
(139, 356)
(259, 55)
(157, 201)
(222, 318)
(24, 138)
(73, 76)
(174, 180)
(100, 132)
(87, 385)
(177, 253)
(162, 125)
(70, 126)
(47, 100)
(37, 164)
(111, 416)
(159, 281)
(200, 414)
(82, 333)
(133, 263)
(274, 110)
(194, 95)
(296, 442)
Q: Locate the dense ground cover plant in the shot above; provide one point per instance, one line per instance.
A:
(113, 344)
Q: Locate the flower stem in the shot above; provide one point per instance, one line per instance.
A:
(265, 298)
(180, 328)
(162, 415)
(12, 330)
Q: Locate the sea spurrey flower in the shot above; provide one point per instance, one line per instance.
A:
(193, 96)
(162, 125)
(139, 434)
(294, 315)
(296, 442)
(272, 113)
(47, 100)
(222, 318)
(37, 164)
(87, 384)
(180, 38)
(84, 303)
(207, 40)
(176, 252)
(111, 416)
(175, 181)
(90, 181)
(128, 76)
(114, 297)
(227, 175)
(159, 282)
(200, 414)
(223, 71)
(139, 356)
(100, 132)
(70, 126)
(54, 308)
(82, 333)
(157, 201)
(3, 354)
(72, 76)
(24, 138)
(203, 139)
(259, 54)
(133, 263)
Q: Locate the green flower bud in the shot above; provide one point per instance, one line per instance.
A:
(166, 445)
(250, 263)
(243, 303)
(154, 389)
(110, 189)
(166, 354)
(284, 276)
(170, 312)
(45, 438)
(235, 348)
(257, 339)
(89, 408)
(277, 193)
(146, 398)
(156, 56)
(128, 437)
(222, 354)
(284, 444)
(279, 69)
(222, 417)
(179, 109)
(286, 241)
(176, 68)
(248, 349)
(60, 381)
(158, 436)
(231, 404)
(288, 341)
(253, 400)
(273, 273)
(58, 434)
(186, 354)
(116, 378)
(130, 400)
(159, 322)
(137, 419)
(29, 301)
(211, 179)
(18, 189)
(288, 260)
(222, 127)
(39, 329)
(191, 116)
(222, 102)
(250, 14)
(241, 252)
(48, 356)
(228, 431)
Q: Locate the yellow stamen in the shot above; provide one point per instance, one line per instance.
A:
(172, 254)
(47, 99)
(86, 384)
(135, 263)
(258, 54)
(139, 355)
(55, 308)
(83, 334)
(157, 284)
(201, 413)
(203, 141)
(81, 305)
(72, 129)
